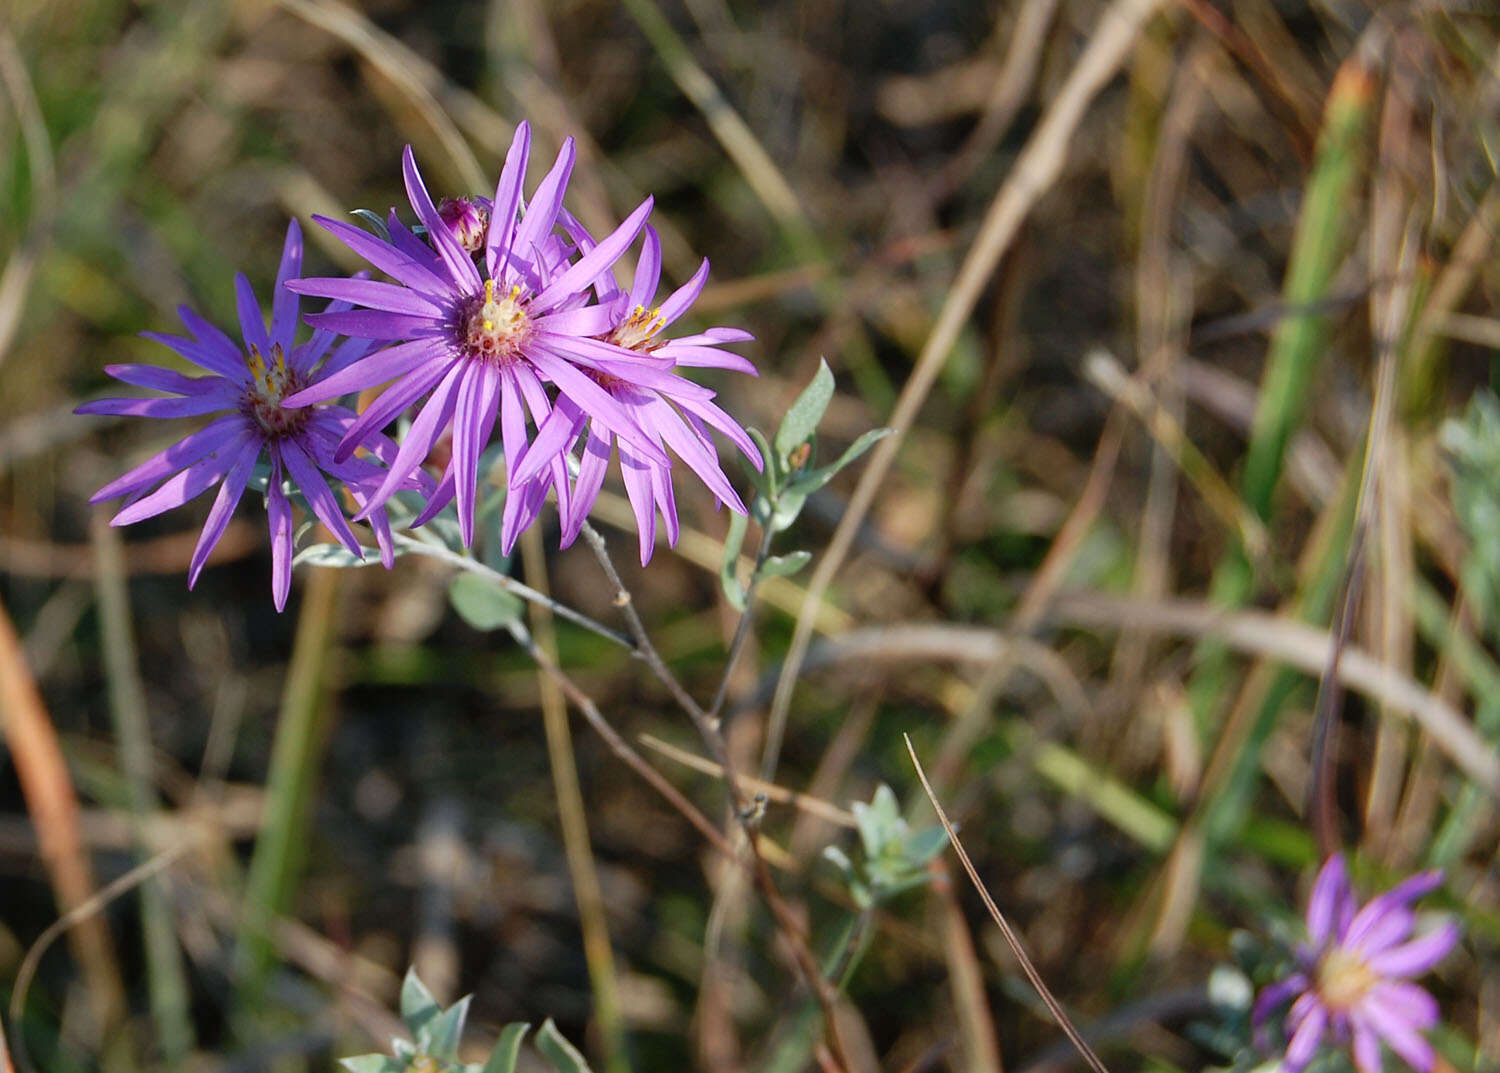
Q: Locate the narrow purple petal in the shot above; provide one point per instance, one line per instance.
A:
(378, 368)
(587, 320)
(521, 510)
(229, 364)
(718, 419)
(598, 403)
(279, 514)
(512, 418)
(392, 403)
(695, 453)
(1304, 1042)
(160, 379)
(460, 267)
(541, 213)
(1384, 930)
(212, 437)
(284, 302)
(1366, 1047)
(319, 497)
(183, 486)
(224, 504)
(666, 501)
(593, 264)
(1399, 1034)
(1419, 955)
(507, 203)
(1275, 996)
(597, 352)
(704, 357)
(417, 274)
(440, 498)
(344, 355)
(678, 301)
(377, 324)
(221, 353)
(716, 337)
(252, 320)
(637, 474)
(647, 271)
(1395, 899)
(557, 433)
(591, 470)
(473, 419)
(192, 406)
(429, 424)
(370, 293)
(1413, 1004)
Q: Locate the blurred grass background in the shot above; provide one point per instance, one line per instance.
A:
(1211, 370)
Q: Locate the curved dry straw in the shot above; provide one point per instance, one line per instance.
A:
(1012, 940)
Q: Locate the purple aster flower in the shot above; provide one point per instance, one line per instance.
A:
(1354, 976)
(249, 383)
(479, 345)
(676, 413)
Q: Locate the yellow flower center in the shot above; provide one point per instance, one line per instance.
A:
(636, 331)
(270, 383)
(496, 328)
(1344, 978)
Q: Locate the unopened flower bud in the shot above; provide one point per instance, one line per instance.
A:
(468, 218)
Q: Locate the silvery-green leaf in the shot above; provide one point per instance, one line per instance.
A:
(813, 479)
(482, 604)
(335, 555)
(925, 844)
(788, 505)
(560, 1054)
(445, 528)
(439, 1037)
(801, 420)
(373, 1063)
(767, 479)
(785, 565)
(374, 221)
(417, 1004)
(729, 579)
(503, 1058)
(761, 511)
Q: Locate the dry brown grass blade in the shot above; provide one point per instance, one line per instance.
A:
(1035, 173)
(418, 80)
(1011, 938)
(53, 805)
(1304, 647)
(15, 281)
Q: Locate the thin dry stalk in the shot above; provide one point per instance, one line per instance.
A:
(1012, 940)
(747, 813)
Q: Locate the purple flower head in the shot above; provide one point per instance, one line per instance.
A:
(1354, 976)
(248, 384)
(674, 412)
(479, 342)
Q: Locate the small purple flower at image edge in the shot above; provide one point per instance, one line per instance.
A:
(1353, 981)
